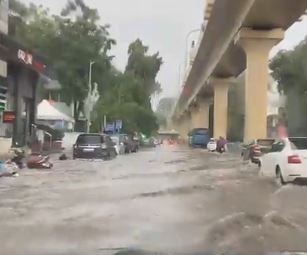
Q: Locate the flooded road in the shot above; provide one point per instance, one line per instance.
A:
(165, 199)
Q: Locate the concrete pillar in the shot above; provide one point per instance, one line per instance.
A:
(220, 106)
(257, 46)
(200, 114)
(182, 126)
(187, 123)
(179, 127)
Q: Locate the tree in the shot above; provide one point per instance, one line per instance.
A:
(70, 42)
(236, 106)
(73, 39)
(126, 99)
(289, 69)
(166, 106)
(164, 110)
(143, 66)
(127, 96)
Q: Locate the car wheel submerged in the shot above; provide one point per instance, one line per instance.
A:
(279, 180)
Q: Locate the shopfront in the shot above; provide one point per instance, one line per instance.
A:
(26, 72)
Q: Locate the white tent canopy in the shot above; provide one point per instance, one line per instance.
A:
(45, 111)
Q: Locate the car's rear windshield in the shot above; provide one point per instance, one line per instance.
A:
(265, 142)
(298, 143)
(89, 139)
(200, 131)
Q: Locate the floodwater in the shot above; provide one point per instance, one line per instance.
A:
(167, 199)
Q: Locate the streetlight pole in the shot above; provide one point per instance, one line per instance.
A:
(187, 46)
(89, 97)
(90, 77)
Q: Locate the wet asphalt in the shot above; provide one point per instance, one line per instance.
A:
(167, 199)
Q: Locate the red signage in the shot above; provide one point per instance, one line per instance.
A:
(8, 116)
(28, 59)
(25, 57)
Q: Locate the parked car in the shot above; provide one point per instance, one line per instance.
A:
(211, 146)
(118, 141)
(158, 141)
(198, 137)
(94, 146)
(149, 143)
(254, 149)
(130, 145)
(286, 161)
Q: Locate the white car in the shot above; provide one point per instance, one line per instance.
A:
(211, 146)
(286, 161)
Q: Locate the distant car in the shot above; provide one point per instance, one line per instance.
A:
(149, 143)
(94, 146)
(211, 146)
(286, 161)
(199, 137)
(119, 145)
(254, 149)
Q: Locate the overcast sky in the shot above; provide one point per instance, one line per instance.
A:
(163, 26)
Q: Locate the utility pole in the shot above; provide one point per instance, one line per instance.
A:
(89, 97)
(187, 47)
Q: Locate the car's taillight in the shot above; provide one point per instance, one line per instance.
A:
(294, 159)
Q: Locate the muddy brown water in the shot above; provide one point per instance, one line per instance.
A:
(165, 199)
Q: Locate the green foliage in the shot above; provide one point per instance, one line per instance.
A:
(166, 106)
(143, 66)
(164, 110)
(70, 42)
(126, 99)
(127, 96)
(236, 112)
(73, 39)
(289, 69)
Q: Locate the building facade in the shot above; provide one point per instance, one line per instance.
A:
(21, 72)
(3, 64)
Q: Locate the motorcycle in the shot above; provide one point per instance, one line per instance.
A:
(38, 161)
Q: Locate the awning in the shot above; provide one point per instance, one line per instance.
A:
(45, 111)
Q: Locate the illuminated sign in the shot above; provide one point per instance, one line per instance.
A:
(8, 116)
(25, 57)
(28, 59)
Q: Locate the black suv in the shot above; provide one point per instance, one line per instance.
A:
(94, 146)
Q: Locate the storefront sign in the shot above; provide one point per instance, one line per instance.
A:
(8, 116)
(28, 59)
(110, 127)
(25, 57)
(118, 124)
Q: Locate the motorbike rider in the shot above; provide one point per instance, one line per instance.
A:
(221, 145)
